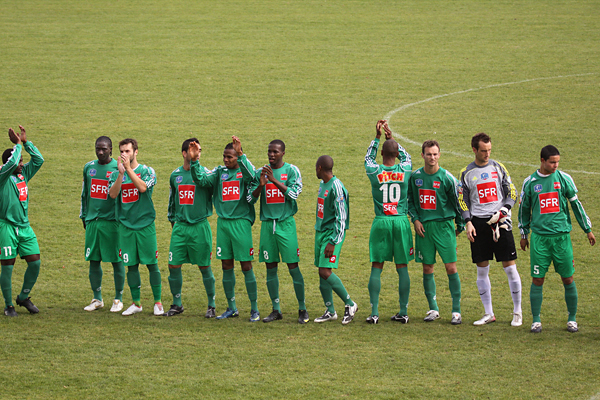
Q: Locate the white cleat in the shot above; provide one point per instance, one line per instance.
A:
(117, 306)
(158, 309)
(517, 319)
(349, 313)
(456, 319)
(572, 326)
(431, 315)
(486, 319)
(94, 305)
(133, 309)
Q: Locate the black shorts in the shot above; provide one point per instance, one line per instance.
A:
(484, 248)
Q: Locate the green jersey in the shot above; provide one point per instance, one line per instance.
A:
(275, 205)
(333, 209)
(95, 201)
(188, 202)
(230, 188)
(135, 210)
(14, 193)
(434, 197)
(544, 205)
(389, 185)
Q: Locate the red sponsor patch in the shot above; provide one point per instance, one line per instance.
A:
(390, 208)
(252, 251)
(120, 254)
(298, 251)
(427, 199)
(129, 193)
(494, 175)
(326, 193)
(186, 194)
(99, 189)
(108, 174)
(156, 253)
(549, 203)
(22, 188)
(436, 185)
(389, 176)
(487, 192)
(320, 207)
(21, 177)
(556, 185)
(411, 251)
(274, 195)
(238, 175)
(231, 191)
(284, 177)
(332, 259)
(211, 255)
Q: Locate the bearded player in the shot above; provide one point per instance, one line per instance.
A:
(544, 210)
(100, 224)
(16, 235)
(229, 183)
(132, 186)
(278, 186)
(190, 206)
(390, 238)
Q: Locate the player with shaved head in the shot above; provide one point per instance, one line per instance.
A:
(331, 223)
(391, 237)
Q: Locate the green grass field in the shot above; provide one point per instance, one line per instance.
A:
(318, 75)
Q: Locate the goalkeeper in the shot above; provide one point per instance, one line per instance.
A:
(485, 197)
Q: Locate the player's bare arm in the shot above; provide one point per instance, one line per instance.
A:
(114, 190)
(136, 180)
(388, 131)
(237, 145)
(471, 231)
(591, 238)
(23, 134)
(419, 230)
(378, 127)
(16, 139)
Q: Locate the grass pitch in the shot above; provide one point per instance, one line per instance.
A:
(317, 75)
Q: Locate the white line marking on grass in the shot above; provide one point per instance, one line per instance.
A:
(596, 396)
(389, 115)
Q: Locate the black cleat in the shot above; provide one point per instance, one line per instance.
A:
(303, 316)
(28, 305)
(400, 318)
(275, 315)
(10, 311)
(210, 312)
(174, 310)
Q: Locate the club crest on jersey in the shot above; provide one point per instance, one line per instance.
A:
(556, 185)
(319, 190)
(485, 176)
(179, 179)
(238, 175)
(389, 176)
(224, 177)
(419, 182)
(494, 175)
(284, 177)
(436, 185)
(92, 172)
(537, 188)
(14, 178)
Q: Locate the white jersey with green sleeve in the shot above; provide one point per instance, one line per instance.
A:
(544, 205)
(275, 205)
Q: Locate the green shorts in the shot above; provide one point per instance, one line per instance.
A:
(13, 241)
(321, 241)
(391, 240)
(234, 240)
(191, 244)
(138, 246)
(102, 241)
(556, 249)
(279, 237)
(440, 236)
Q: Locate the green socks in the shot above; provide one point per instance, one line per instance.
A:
(454, 284)
(251, 288)
(155, 282)
(119, 271)
(374, 289)
(571, 299)
(96, 279)
(209, 285)
(327, 294)
(6, 284)
(229, 287)
(135, 283)
(429, 286)
(273, 287)
(403, 289)
(175, 283)
(338, 287)
(536, 295)
(298, 280)
(33, 270)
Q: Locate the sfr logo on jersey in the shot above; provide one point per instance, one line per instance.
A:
(556, 185)
(99, 189)
(22, 188)
(390, 208)
(129, 193)
(186, 194)
(487, 192)
(320, 207)
(274, 195)
(427, 199)
(549, 203)
(436, 184)
(332, 259)
(231, 191)
(389, 176)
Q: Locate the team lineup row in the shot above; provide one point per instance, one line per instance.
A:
(118, 214)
